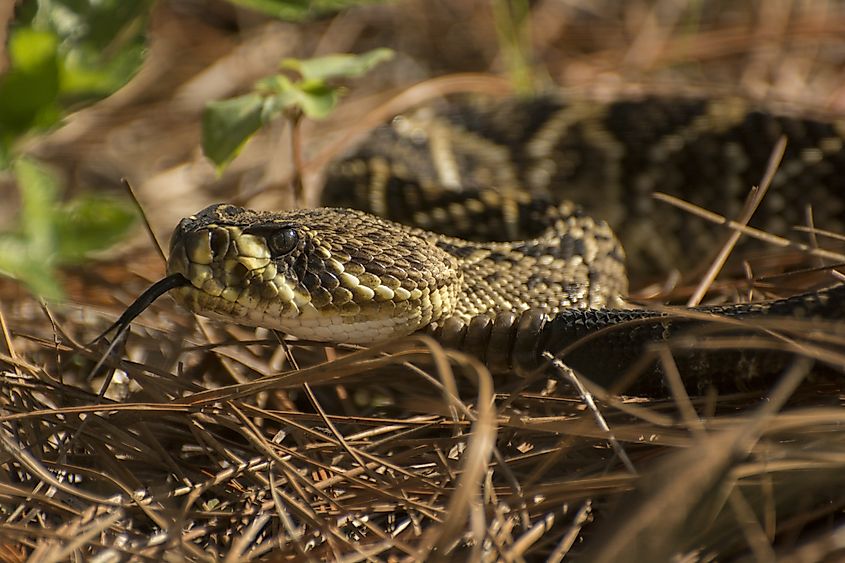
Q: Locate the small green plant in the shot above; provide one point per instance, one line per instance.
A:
(62, 54)
(50, 233)
(228, 124)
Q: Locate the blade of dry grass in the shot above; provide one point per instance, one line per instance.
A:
(655, 524)
(755, 198)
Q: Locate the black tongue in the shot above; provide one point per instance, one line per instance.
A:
(143, 301)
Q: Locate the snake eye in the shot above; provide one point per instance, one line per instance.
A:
(283, 241)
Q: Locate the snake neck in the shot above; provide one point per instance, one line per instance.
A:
(339, 275)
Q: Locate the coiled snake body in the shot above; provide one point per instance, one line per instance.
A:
(550, 273)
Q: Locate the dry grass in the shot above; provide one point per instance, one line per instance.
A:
(204, 441)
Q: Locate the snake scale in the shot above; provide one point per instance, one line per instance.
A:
(463, 228)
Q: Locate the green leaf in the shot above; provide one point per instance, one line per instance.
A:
(298, 10)
(338, 66)
(228, 124)
(17, 262)
(86, 75)
(62, 52)
(315, 98)
(273, 85)
(30, 49)
(29, 254)
(50, 234)
(39, 191)
(102, 43)
(88, 224)
(288, 10)
(29, 89)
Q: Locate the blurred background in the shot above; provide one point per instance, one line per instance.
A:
(194, 102)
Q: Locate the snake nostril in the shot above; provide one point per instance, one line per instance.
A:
(219, 242)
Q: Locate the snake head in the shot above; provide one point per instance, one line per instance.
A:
(331, 275)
